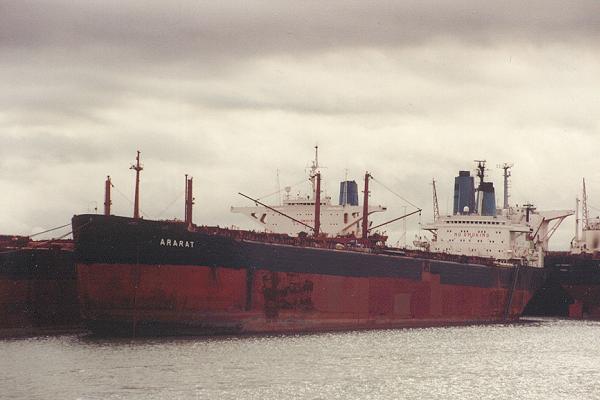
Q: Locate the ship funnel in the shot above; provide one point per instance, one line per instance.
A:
(489, 199)
(464, 193)
(348, 193)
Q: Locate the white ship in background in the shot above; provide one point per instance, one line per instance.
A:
(586, 241)
(477, 228)
(339, 219)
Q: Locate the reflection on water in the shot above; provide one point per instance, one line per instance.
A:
(546, 359)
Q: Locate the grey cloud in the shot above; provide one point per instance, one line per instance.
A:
(39, 150)
(46, 147)
(65, 60)
(197, 31)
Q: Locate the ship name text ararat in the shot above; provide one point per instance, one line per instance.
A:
(176, 243)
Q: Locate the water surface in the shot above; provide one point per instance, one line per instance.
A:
(547, 359)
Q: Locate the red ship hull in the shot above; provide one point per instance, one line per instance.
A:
(179, 299)
(139, 277)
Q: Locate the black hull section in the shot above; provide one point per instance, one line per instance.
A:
(573, 269)
(579, 276)
(120, 240)
(38, 291)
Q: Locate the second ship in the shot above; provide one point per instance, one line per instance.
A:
(143, 277)
(577, 271)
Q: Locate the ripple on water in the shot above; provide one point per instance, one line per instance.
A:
(548, 359)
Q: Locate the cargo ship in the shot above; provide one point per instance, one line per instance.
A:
(38, 291)
(144, 277)
(577, 271)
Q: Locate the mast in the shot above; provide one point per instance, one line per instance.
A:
(576, 220)
(506, 167)
(318, 205)
(345, 194)
(313, 170)
(481, 176)
(185, 206)
(278, 189)
(107, 200)
(584, 209)
(365, 219)
(189, 199)
(137, 167)
(528, 209)
(436, 207)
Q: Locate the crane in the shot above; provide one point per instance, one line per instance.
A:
(436, 207)
(584, 209)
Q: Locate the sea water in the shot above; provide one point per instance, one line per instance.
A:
(543, 359)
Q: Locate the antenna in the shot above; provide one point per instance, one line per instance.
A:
(314, 168)
(584, 209)
(436, 207)
(481, 176)
(278, 188)
(506, 167)
(345, 194)
(528, 209)
(480, 171)
(576, 220)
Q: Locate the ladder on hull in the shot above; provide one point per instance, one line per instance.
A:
(511, 292)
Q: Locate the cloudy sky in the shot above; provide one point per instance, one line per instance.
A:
(230, 92)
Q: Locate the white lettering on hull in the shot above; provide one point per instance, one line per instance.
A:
(176, 243)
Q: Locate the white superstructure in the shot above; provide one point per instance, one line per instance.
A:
(506, 237)
(480, 236)
(335, 219)
(510, 234)
(588, 240)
